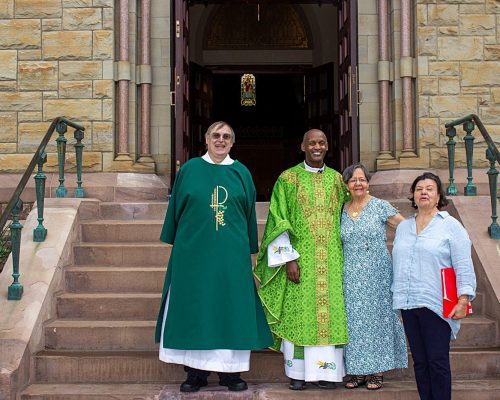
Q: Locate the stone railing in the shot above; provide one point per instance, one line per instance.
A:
(492, 154)
(15, 205)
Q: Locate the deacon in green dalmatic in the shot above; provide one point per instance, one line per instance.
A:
(300, 268)
(210, 316)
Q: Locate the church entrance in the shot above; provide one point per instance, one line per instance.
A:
(292, 56)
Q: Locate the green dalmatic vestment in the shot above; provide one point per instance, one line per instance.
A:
(308, 205)
(211, 222)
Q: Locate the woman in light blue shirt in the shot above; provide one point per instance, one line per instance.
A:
(424, 244)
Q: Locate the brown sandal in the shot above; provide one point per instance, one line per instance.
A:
(355, 382)
(377, 382)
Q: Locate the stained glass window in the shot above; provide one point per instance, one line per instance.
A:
(248, 94)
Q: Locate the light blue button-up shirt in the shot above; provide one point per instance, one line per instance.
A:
(418, 259)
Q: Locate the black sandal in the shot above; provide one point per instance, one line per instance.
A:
(355, 382)
(376, 380)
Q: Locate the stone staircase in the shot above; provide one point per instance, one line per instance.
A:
(101, 343)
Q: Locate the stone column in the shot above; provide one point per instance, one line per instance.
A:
(384, 68)
(123, 83)
(406, 73)
(145, 81)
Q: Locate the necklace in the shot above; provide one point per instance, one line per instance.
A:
(355, 213)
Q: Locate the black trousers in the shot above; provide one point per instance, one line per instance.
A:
(204, 374)
(429, 338)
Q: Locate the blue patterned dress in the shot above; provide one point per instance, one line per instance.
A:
(376, 335)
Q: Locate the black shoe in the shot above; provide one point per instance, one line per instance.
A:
(297, 384)
(326, 385)
(232, 381)
(195, 380)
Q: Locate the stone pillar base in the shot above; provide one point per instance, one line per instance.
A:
(130, 166)
(123, 157)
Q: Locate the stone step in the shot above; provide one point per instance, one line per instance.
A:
(56, 366)
(109, 335)
(100, 335)
(121, 231)
(130, 211)
(395, 390)
(147, 279)
(131, 254)
(108, 306)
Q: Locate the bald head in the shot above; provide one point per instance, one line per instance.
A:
(315, 132)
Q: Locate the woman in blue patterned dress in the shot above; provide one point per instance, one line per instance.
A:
(376, 336)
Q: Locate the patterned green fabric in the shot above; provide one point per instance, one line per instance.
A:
(307, 205)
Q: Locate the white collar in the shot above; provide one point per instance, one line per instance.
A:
(312, 169)
(227, 161)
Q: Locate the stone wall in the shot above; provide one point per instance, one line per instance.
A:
(56, 58)
(458, 54)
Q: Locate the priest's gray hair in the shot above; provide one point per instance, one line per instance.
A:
(217, 125)
(349, 171)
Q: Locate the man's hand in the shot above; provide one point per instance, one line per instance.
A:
(293, 271)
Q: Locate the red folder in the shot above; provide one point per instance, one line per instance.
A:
(449, 288)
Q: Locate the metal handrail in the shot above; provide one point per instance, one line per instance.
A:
(31, 167)
(481, 128)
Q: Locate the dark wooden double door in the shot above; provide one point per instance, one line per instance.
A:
(289, 101)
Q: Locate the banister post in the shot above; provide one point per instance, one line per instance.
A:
(470, 189)
(40, 233)
(61, 128)
(493, 229)
(451, 132)
(15, 290)
(79, 192)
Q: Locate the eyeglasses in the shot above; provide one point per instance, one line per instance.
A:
(356, 180)
(218, 135)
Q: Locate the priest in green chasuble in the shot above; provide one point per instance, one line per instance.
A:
(300, 266)
(210, 316)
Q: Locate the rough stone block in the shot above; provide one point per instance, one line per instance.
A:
(490, 115)
(477, 25)
(8, 127)
(423, 106)
(422, 19)
(102, 136)
(38, 75)
(427, 43)
(493, 6)
(8, 148)
(103, 45)
(452, 106)
(449, 85)
(480, 73)
(103, 3)
(21, 101)
(38, 8)
(75, 89)
(108, 18)
(83, 19)
(31, 134)
(50, 94)
(474, 90)
(67, 45)
(15, 162)
(103, 88)
(8, 64)
(92, 161)
(20, 34)
(448, 30)
(8, 86)
(444, 68)
(428, 132)
(492, 52)
(495, 92)
(439, 158)
(6, 9)
(472, 9)
(54, 24)
(77, 71)
(84, 109)
(29, 116)
(443, 14)
(107, 109)
(428, 85)
(29, 55)
(76, 3)
(460, 48)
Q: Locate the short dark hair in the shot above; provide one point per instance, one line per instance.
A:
(443, 201)
(349, 171)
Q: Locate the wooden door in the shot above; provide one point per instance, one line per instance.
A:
(201, 107)
(180, 84)
(320, 108)
(348, 83)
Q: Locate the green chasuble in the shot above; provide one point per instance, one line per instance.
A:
(211, 223)
(308, 205)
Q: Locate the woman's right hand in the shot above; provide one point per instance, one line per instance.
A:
(293, 271)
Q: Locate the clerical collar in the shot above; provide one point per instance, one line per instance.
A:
(312, 169)
(227, 161)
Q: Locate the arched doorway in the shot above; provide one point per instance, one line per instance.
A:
(291, 50)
